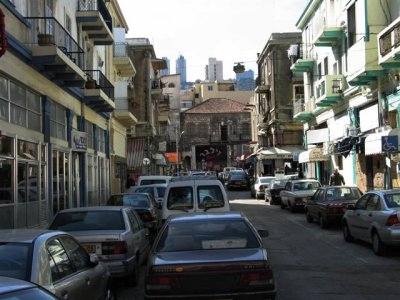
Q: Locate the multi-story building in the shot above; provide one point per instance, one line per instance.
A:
(144, 139)
(349, 82)
(245, 81)
(279, 136)
(56, 100)
(167, 71)
(181, 69)
(215, 134)
(214, 70)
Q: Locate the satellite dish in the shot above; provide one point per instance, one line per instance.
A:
(146, 161)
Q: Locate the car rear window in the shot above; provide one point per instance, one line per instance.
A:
(14, 259)
(213, 234)
(392, 200)
(180, 198)
(210, 196)
(88, 220)
(161, 191)
(342, 193)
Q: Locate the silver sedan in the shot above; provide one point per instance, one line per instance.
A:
(375, 219)
(54, 260)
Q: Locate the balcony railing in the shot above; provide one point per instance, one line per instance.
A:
(102, 82)
(47, 31)
(298, 106)
(120, 49)
(96, 5)
(156, 85)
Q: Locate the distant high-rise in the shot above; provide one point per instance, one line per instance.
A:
(181, 69)
(167, 71)
(245, 81)
(214, 70)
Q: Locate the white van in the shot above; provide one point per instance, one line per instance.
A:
(153, 179)
(194, 194)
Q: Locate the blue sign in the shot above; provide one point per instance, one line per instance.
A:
(390, 143)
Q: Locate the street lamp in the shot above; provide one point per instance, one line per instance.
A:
(178, 138)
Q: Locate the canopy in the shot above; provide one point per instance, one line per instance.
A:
(312, 155)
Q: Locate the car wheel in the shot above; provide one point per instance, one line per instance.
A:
(377, 246)
(132, 279)
(347, 234)
(323, 223)
(309, 217)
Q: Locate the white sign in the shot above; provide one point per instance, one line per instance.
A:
(146, 161)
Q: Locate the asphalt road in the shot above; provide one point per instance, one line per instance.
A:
(309, 262)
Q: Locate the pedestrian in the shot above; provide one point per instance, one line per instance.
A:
(336, 178)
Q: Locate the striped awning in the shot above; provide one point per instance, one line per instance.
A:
(135, 153)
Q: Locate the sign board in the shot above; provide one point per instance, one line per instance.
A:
(79, 141)
(146, 161)
(390, 143)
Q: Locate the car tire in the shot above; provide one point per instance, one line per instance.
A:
(133, 279)
(323, 223)
(309, 217)
(377, 246)
(347, 234)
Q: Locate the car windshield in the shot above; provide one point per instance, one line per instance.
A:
(276, 184)
(88, 220)
(14, 258)
(134, 200)
(305, 186)
(180, 198)
(210, 235)
(151, 181)
(210, 196)
(342, 193)
(392, 200)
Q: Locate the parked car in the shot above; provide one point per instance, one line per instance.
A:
(257, 189)
(145, 205)
(54, 260)
(296, 193)
(237, 180)
(329, 203)
(157, 190)
(194, 194)
(153, 179)
(272, 192)
(225, 173)
(375, 218)
(199, 255)
(17, 289)
(116, 234)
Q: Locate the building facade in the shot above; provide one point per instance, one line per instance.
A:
(181, 69)
(214, 70)
(245, 81)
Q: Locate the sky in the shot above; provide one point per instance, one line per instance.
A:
(229, 30)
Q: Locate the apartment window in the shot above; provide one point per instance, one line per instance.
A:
(245, 128)
(319, 70)
(58, 123)
(89, 132)
(210, 87)
(326, 65)
(102, 140)
(351, 24)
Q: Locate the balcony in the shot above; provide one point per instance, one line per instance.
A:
(122, 61)
(302, 111)
(99, 92)
(156, 87)
(56, 53)
(262, 88)
(329, 90)
(389, 46)
(96, 21)
(124, 112)
(303, 62)
(327, 34)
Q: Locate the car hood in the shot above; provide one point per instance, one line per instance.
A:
(208, 256)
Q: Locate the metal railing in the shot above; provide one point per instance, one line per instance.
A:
(156, 84)
(390, 40)
(298, 106)
(48, 31)
(96, 5)
(120, 49)
(101, 81)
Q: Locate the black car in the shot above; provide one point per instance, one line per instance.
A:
(237, 180)
(209, 256)
(144, 204)
(272, 193)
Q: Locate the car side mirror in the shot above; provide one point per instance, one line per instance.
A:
(94, 259)
(263, 233)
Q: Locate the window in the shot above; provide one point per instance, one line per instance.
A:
(326, 66)
(351, 25)
(171, 85)
(209, 87)
(133, 221)
(58, 122)
(373, 203)
(102, 142)
(180, 198)
(210, 196)
(89, 132)
(60, 264)
(76, 253)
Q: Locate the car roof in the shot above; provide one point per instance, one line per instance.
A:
(207, 216)
(94, 208)
(151, 185)
(303, 180)
(339, 187)
(25, 235)
(132, 193)
(382, 192)
(194, 178)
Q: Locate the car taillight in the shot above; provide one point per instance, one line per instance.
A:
(147, 216)
(113, 248)
(393, 220)
(162, 283)
(262, 277)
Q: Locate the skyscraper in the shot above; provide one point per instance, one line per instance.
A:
(181, 69)
(214, 70)
(166, 71)
(245, 81)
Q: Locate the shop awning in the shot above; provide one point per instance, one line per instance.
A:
(284, 152)
(135, 153)
(312, 155)
(373, 142)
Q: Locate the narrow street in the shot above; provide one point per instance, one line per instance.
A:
(311, 263)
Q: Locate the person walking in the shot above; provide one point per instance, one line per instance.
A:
(336, 178)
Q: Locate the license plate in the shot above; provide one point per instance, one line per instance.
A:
(90, 248)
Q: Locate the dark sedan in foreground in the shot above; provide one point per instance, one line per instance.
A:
(209, 256)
